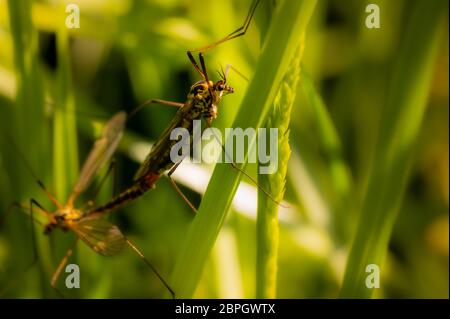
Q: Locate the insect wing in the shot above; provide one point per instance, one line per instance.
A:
(102, 151)
(99, 234)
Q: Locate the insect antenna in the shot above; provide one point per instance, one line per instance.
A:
(27, 165)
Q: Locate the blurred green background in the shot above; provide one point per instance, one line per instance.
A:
(58, 85)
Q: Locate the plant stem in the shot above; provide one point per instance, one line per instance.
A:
(267, 219)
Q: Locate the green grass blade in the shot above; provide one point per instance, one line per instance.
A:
(400, 125)
(65, 149)
(28, 120)
(331, 147)
(267, 230)
(65, 146)
(327, 136)
(281, 42)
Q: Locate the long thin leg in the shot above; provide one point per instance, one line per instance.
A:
(20, 207)
(169, 175)
(236, 33)
(244, 172)
(154, 101)
(141, 255)
(33, 229)
(30, 170)
(248, 18)
(61, 265)
(42, 210)
(50, 195)
(35, 256)
(8, 212)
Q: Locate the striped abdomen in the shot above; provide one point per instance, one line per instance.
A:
(138, 189)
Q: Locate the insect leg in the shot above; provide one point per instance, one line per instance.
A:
(35, 255)
(49, 195)
(61, 265)
(174, 184)
(236, 33)
(244, 172)
(141, 255)
(154, 101)
(33, 229)
(9, 210)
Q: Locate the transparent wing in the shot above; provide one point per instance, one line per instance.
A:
(102, 151)
(99, 234)
(157, 153)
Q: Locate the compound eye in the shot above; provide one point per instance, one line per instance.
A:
(219, 85)
(200, 88)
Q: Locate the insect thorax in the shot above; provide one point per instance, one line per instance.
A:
(63, 218)
(69, 213)
(203, 104)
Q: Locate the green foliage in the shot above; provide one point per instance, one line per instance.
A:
(400, 124)
(367, 177)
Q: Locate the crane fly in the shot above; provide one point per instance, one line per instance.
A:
(99, 234)
(201, 103)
